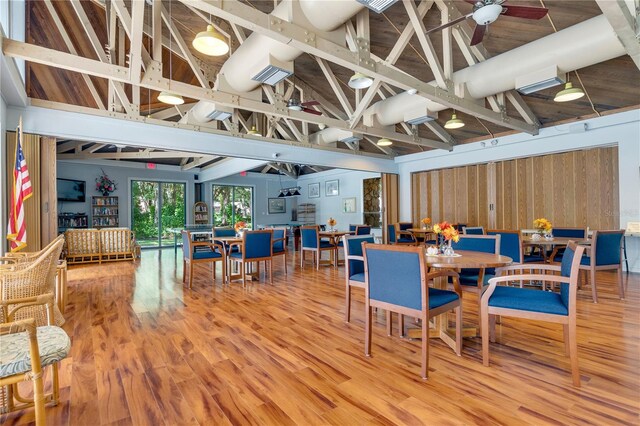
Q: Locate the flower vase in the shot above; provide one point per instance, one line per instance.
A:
(446, 249)
(105, 193)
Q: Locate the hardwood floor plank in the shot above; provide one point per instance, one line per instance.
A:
(142, 405)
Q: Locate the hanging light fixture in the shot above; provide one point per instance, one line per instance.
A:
(360, 81)
(384, 142)
(569, 93)
(296, 191)
(454, 123)
(254, 131)
(211, 42)
(167, 96)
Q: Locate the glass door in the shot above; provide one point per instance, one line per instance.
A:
(156, 207)
(232, 204)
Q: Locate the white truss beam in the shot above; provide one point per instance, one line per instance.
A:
(625, 24)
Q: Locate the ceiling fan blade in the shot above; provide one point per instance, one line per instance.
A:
(525, 12)
(471, 1)
(310, 103)
(311, 111)
(478, 34)
(448, 24)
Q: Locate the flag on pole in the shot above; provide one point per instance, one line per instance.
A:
(17, 232)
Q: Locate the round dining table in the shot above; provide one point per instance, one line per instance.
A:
(334, 238)
(461, 260)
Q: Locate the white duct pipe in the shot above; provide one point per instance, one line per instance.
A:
(329, 135)
(584, 44)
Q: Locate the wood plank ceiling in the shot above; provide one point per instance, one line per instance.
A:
(611, 85)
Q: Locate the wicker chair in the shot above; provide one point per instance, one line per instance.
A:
(26, 257)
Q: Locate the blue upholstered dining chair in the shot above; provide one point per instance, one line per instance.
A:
(510, 245)
(354, 270)
(357, 230)
(575, 233)
(473, 230)
(310, 239)
(397, 236)
(280, 245)
(352, 227)
(201, 252)
(363, 230)
(256, 246)
(605, 253)
(474, 280)
(536, 304)
(223, 232)
(403, 288)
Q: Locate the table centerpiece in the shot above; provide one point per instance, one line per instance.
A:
(543, 229)
(240, 227)
(426, 222)
(331, 222)
(446, 234)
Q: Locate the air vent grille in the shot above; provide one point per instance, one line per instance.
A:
(271, 75)
(377, 6)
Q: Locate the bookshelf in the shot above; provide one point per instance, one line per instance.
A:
(200, 213)
(307, 214)
(72, 221)
(104, 212)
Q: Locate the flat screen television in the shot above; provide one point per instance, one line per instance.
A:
(71, 190)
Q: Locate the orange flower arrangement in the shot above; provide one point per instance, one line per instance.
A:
(240, 225)
(449, 233)
(331, 222)
(426, 221)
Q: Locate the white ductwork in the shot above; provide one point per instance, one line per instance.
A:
(331, 135)
(584, 44)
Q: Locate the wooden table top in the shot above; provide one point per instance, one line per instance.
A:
(469, 259)
(229, 239)
(421, 231)
(333, 233)
(556, 241)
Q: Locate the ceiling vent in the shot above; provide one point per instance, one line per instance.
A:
(220, 112)
(539, 80)
(273, 72)
(377, 6)
(421, 116)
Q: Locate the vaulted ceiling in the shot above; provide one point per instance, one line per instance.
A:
(82, 28)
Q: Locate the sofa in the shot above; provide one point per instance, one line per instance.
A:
(100, 245)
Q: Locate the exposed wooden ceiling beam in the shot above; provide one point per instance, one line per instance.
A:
(198, 161)
(298, 37)
(625, 24)
(425, 42)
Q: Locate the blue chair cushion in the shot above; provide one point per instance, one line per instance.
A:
(472, 280)
(278, 250)
(206, 254)
(325, 244)
(439, 297)
(529, 258)
(525, 299)
(357, 277)
(405, 240)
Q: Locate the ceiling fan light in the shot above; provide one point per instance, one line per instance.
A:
(294, 105)
(170, 98)
(254, 131)
(211, 43)
(360, 81)
(454, 123)
(384, 142)
(569, 93)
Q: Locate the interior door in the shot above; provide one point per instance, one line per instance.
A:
(145, 212)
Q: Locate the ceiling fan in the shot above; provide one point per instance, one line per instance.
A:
(487, 11)
(296, 105)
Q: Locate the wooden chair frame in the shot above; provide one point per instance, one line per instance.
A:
(243, 261)
(592, 267)
(488, 314)
(409, 234)
(350, 283)
(317, 252)
(9, 308)
(556, 250)
(284, 244)
(190, 262)
(464, 230)
(424, 314)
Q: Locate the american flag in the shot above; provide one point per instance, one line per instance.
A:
(17, 232)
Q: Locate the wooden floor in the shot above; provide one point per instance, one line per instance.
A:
(146, 350)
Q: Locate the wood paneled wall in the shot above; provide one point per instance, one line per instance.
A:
(577, 188)
(390, 202)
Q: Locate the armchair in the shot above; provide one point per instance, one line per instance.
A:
(577, 233)
(404, 289)
(399, 236)
(354, 270)
(201, 252)
(256, 246)
(473, 230)
(280, 245)
(604, 253)
(310, 236)
(536, 304)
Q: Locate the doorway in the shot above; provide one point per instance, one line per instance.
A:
(157, 207)
(232, 204)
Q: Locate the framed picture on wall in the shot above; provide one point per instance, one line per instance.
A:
(314, 190)
(331, 188)
(277, 206)
(349, 205)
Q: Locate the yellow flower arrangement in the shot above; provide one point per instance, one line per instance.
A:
(449, 233)
(239, 225)
(543, 225)
(331, 222)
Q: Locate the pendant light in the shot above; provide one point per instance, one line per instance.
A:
(211, 42)
(384, 142)
(569, 93)
(254, 131)
(167, 96)
(454, 123)
(360, 81)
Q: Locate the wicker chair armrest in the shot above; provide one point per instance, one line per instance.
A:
(10, 306)
(28, 325)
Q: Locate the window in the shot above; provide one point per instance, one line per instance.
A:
(157, 207)
(232, 204)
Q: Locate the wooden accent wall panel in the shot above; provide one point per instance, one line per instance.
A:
(32, 207)
(577, 188)
(49, 198)
(390, 202)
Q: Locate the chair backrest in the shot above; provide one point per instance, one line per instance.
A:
(403, 226)
(279, 233)
(224, 232)
(395, 275)
(257, 244)
(459, 226)
(510, 244)
(570, 267)
(363, 230)
(607, 245)
(578, 233)
(352, 228)
(353, 247)
(473, 230)
(483, 243)
(391, 231)
(309, 236)
(186, 244)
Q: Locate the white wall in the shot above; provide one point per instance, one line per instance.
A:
(350, 185)
(264, 187)
(618, 129)
(89, 171)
